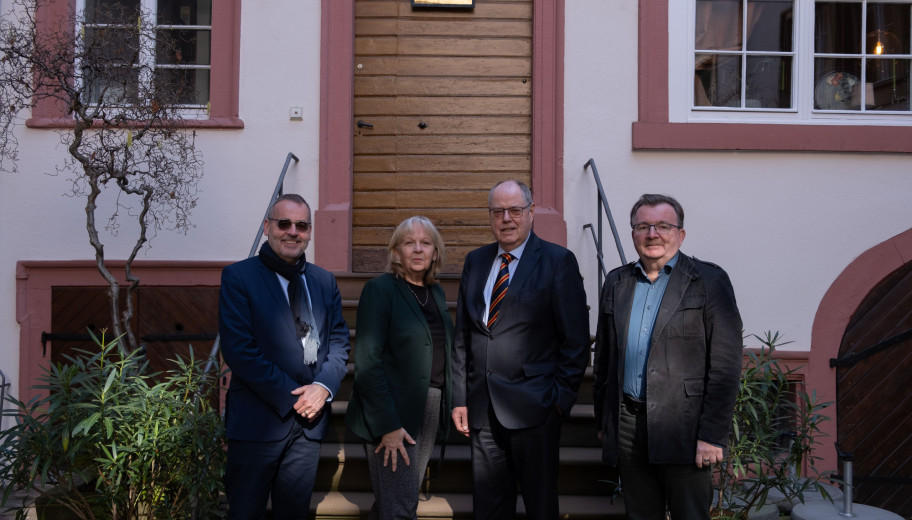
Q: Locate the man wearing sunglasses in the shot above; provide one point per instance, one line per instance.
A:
(667, 365)
(286, 343)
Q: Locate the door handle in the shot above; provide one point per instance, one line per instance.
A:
(362, 124)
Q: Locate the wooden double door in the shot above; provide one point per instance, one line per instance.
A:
(442, 112)
(170, 321)
(874, 404)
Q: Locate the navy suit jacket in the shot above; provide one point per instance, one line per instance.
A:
(534, 356)
(259, 344)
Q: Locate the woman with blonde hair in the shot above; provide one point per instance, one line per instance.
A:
(402, 392)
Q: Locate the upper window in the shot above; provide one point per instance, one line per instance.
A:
(173, 43)
(201, 58)
(799, 60)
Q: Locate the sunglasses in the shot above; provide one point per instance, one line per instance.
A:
(284, 224)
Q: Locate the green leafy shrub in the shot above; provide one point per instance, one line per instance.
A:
(775, 428)
(111, 440)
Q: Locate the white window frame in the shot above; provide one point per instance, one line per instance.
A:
(681, 83)
(147, 56)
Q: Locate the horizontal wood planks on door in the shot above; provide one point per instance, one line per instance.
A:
(485, 9)
(443, 145)
(458, 27)
(408, 125)
(477, 66)
(447, 94)
(421, 199)
(442, 106)
(443, 46)
(450, 163)
(450, 86)
(429, 181)
(391, 217)
(463, 236)
(373, 258)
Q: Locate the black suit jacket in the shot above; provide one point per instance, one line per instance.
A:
(533, 358)
(693, 367)
(259, 344)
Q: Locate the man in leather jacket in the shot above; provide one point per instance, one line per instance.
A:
(668, 363)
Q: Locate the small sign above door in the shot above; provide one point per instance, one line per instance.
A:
(443, 3)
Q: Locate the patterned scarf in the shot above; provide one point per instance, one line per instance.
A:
(292, 273)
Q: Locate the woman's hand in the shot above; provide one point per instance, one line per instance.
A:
(393, 443)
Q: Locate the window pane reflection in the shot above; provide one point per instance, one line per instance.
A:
(887, 86)
(769, 25)
(837, 28)
(838, 84)
(718, 81)
(769, 82)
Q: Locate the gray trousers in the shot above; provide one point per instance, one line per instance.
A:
(396, 493)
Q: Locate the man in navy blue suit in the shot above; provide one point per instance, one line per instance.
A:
(521, 348)
(284, 338)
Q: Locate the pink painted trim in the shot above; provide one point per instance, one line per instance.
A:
(35, 280)
(652, 78)
(224, 78)
(835, 311)
(654, 132)
(548, 119)
(333, 217)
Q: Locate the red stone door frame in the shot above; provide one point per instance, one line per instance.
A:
(36, 279)
(333, 217)
(835, 311)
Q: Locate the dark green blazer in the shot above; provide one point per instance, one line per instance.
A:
(393, 361)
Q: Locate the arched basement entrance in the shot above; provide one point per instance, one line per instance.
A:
(873, 401)
(869, 302)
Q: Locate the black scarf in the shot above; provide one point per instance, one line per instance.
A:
(292, 273)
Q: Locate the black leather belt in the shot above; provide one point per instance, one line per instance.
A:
(634, 406)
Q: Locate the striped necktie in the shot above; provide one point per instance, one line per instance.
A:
(500, 288)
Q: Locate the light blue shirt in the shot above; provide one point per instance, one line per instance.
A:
(495, 268)
(643, 311)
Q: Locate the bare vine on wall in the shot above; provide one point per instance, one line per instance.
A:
(122, 120)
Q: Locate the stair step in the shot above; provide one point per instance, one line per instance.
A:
(343, 488)
(344, 467)
(338, 505)
(578, 429)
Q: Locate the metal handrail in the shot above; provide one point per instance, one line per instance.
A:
(603, 203)
(276, 193)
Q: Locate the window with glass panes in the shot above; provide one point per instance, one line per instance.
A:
(185, 61)
(802, 56)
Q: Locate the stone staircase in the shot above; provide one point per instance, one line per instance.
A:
(343, 488)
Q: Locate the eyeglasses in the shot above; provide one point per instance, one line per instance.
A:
(284, 224)
(662, 228)
(515, 211)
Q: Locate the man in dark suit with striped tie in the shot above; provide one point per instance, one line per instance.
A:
(521, 347)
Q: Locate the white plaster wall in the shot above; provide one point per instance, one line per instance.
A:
(279, 68)
(783, 225)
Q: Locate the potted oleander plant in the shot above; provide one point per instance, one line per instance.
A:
(774, 430)
(110, 439)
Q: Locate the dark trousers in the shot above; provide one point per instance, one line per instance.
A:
(502, 457)
(648, 489)
(285, 469)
